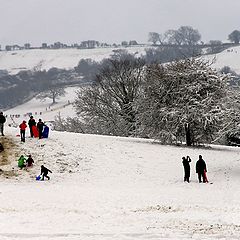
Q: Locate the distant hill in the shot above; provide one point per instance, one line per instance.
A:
(44, 59)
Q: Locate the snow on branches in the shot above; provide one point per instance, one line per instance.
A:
(183, 100)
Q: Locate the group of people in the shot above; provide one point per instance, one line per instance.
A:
(201, 169)
(31, 124)
(23, 162)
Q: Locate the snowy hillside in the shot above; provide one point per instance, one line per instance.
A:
(229, 57)
(117, 188)
(43, 109)
(40, 59)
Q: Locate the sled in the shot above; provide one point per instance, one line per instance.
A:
(205, 176)
(45, 132)
(38, 178)
(35, 131)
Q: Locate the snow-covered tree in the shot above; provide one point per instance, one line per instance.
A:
(183, 100)
(108, 106)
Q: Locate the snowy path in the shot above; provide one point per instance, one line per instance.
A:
(120, 188)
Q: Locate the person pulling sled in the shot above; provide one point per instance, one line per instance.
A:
(44, 173)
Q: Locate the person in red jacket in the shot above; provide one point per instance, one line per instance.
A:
(23, 127)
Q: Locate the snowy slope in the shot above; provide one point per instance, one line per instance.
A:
(229, 57)
(118, 188)
(39, 59)
(15, 61)
(43, 109)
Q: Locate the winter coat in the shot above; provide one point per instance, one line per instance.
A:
(23, 126)
(40, 126)
(186, 164)
(29, 161)
(201, 166)
(45, 171)
(2, 119)
(21, 162)
(31, 122)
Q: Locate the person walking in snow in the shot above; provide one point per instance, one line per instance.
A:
(29, 161)
(31, 123)
(40, 126)
(186, 165)
(44, 173)
(201, 169)
(23, 127)
(2, 121)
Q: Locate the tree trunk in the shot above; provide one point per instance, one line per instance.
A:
(188, 134)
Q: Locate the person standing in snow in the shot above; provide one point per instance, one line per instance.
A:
(2, 121)
(31, 123)
(201, 169)
(186, 165)
(23, 127)
(40, 126)
(44, 172)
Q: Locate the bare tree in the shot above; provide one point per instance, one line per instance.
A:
(153, 37)
(108, 107)
(53, 93)
(185, 35)
(234, 36)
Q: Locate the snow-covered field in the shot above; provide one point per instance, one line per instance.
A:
(118, 188)
(43, 109)
(111, 187)
(39, 59)
(42, 59)
(229, 57)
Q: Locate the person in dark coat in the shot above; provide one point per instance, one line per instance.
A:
(200, 169)
(40, 126)
(31, 123)
(29, 161)
(2, 121)
(44, 172)
(186, 165)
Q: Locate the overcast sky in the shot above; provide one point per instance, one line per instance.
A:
(71, 21)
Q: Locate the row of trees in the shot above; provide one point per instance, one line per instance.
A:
(184, 100)
(187, 35)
